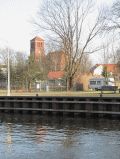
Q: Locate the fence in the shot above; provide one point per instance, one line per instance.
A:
(53, 86)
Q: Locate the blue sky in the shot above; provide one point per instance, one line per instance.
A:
(16, 30)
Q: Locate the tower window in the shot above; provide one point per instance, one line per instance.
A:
(39, 44)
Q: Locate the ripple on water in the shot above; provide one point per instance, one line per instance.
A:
(59, 139)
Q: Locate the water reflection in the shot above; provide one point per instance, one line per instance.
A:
(28, 137)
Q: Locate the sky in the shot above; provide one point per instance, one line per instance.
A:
(16, 28)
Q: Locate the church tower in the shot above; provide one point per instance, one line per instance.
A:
(37, 48)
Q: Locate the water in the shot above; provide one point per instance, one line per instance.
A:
(35, 137)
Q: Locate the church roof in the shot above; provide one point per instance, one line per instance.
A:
(37, 38)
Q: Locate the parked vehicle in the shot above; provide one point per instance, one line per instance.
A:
(110, 88)
(99, 83)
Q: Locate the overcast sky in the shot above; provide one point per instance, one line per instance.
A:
(15, 26)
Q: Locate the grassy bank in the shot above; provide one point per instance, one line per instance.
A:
(64, 93)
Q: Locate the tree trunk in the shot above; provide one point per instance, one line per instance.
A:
(29, 86)
(69, 83)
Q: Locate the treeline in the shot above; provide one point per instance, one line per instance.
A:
(23, 70)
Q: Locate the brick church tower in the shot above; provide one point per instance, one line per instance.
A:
(37, 49)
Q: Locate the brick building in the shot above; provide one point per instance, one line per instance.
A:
(56, 60)
(37, 48)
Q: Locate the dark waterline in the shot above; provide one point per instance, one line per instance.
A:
(35, 137)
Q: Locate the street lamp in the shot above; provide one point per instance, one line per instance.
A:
(8, 67)
(8, 72)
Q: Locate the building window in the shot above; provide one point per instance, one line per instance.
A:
(93, 82)
(99, 82)
(38, 44)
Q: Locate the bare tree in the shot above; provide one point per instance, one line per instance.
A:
(68, 21)
(106, 53)
(112, 18)
(85, 64)
(116, 56)
(34, 71)
(111, 26)
(17, 65)
(111, 51)
(18, 70)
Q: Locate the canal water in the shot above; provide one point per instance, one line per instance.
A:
(35, 137)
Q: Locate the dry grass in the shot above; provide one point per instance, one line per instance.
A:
(70, 93)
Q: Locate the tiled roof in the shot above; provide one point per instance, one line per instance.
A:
(37, 38)
(55, 74)
(110, 67)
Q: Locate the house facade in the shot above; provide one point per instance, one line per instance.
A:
(112, 70)
(97, 70)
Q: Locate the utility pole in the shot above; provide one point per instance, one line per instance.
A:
(8, 67)
(8, 72)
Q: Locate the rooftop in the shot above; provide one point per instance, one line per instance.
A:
(37, 38)
(55, 74)
(110, 67)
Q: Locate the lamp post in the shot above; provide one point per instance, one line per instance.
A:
(8, 72)
(8, 66)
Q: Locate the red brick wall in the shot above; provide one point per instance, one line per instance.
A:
(37, 48)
